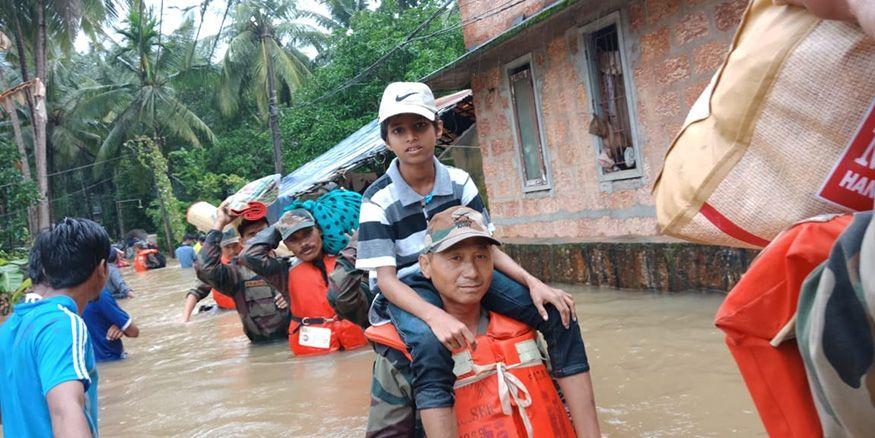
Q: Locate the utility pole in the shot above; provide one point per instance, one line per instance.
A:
(121, 221)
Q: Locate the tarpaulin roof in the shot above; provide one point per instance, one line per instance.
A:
(349, 153)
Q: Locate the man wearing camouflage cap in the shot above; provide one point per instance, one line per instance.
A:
(316, 328)
(457, 263)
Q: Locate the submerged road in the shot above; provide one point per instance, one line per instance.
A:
(660, 369)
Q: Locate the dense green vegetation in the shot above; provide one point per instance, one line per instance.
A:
(209, 118)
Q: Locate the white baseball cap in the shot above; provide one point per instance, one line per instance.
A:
(407, 98)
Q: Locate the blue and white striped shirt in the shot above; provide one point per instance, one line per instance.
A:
(394, 217)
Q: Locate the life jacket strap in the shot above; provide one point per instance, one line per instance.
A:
(510, 388)
(307, 320)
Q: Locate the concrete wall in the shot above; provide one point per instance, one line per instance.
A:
(672, 47)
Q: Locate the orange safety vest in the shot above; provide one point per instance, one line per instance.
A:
(316, 329)
(502, 387)
(222, 300)
(140, 259)
(757, 309)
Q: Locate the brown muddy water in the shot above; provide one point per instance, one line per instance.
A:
(659, 368)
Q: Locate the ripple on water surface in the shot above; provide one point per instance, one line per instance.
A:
(659, 369)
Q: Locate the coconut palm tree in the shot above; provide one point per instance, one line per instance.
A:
(259, 64)
(141, 95)
(340, 13)
(61, 20)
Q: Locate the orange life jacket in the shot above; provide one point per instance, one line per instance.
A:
(222, 300)
(312, 315)
(757, 309)
(502, 387)
(140, 259)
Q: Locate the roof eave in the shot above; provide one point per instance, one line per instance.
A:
(457, 75)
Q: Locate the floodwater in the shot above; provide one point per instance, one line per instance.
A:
(659, 369)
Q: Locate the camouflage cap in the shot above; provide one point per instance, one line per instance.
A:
(454, 225)
(294, 220)
(229, 236)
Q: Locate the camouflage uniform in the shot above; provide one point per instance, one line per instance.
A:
(393, 409)
(252, 293)
(348, 293)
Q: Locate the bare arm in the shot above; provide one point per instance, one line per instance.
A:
(449, 330)
(67, 408)
(190, 303)
(193, 296)
(132, 331)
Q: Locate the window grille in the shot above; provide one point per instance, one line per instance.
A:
(611, 122)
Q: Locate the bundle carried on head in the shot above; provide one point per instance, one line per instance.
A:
(336, 213)
(252, 200)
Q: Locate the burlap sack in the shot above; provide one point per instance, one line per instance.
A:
(761, 140)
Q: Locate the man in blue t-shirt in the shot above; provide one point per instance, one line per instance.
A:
(47, 367)
(185, 253)
(107, 323)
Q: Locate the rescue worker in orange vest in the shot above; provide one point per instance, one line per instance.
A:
(231, 248)
(263, 309)
(502, 387)
(316, 328)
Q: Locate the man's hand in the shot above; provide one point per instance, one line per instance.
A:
(131, 294)
(223, 216)
(280, 302)
(450, 331)
(114, 333)
(563, 301)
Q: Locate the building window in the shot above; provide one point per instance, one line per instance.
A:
(612, 122)
(527, 121)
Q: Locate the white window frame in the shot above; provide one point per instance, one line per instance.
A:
(528, 186)
(592, 90)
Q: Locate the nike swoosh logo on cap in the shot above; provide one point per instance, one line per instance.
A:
(400, 98)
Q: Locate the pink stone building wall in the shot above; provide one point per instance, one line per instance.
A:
(672, 48)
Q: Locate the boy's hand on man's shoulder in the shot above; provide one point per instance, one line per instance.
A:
(450, 331)
(542, 294)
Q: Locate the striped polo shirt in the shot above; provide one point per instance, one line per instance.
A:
(394, 217)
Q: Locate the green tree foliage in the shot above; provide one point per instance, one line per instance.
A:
(16, 195)
(144, 101)
(265, 33)
(165, 209)
(317, 119)
(170, 91)
(196, 182)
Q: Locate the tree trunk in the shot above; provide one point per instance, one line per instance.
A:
(42, 180)
(25, 164)
(168, 233)
(197, 34)
(221, 26)
(273, 112)
(22, 64)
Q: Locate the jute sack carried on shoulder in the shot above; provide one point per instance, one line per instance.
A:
(760, 143)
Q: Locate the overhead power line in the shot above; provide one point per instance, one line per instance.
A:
(408, 39)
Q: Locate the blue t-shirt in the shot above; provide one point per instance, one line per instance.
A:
(43, 344)
(99, 315)
(186, 256)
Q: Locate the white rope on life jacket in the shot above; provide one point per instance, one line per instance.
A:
(510, 388)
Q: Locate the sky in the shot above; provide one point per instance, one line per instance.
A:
(174, 15)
